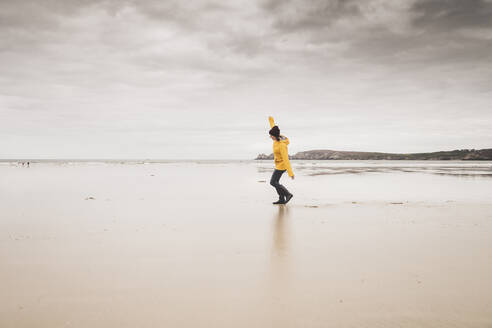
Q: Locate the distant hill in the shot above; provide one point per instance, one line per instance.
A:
(463, 154)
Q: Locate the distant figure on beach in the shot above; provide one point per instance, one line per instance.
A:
(282, 164)
(27, 164)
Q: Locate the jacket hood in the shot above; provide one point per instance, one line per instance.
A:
(284, 139)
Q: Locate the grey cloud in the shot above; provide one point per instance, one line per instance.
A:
(415, 41)
(194, 16)
(248, 45)
(449, 15)
(291, 15)
(36, 15)
(30, 24)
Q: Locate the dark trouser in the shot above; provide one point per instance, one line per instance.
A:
(274, 181)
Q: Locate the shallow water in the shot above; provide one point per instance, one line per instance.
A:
(198, 243)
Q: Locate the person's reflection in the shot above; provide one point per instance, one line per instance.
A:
(279, 271)
(279, 233)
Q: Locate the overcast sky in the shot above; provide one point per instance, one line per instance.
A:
(198, 79)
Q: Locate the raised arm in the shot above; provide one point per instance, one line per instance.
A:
(285, 159)
(272, 123)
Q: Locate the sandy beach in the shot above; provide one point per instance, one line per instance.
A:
(199, 244)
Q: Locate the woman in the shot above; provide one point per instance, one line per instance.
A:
(282, 164)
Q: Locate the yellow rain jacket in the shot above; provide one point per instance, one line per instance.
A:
(280, 152)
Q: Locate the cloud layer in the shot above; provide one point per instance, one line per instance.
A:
(174, 79)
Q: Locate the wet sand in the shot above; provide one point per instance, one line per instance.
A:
(200, 245)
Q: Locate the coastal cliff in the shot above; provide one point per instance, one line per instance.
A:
(463, 154)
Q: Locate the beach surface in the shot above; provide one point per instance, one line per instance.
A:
(199, 244)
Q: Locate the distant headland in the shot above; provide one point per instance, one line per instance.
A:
(462, 154)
